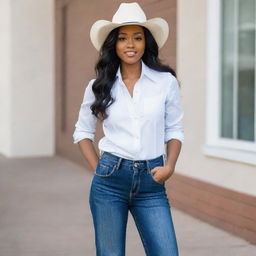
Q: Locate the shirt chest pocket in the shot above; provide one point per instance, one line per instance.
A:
(153, 107)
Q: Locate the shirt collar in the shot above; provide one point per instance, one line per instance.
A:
(145, 70)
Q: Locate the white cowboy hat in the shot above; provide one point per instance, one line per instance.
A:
(129, 14)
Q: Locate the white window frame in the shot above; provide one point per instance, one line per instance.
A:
(237, 150)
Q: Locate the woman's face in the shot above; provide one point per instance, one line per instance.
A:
(130, 44)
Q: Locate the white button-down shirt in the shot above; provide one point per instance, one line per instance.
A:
(137, 127)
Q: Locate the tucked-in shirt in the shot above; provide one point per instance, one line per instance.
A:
(138, 126)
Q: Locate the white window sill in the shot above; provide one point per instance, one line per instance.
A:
(238, 155)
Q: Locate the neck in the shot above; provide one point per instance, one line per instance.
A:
(131, 71)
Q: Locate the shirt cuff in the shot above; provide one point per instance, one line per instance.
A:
(174, 135)
(78, 136)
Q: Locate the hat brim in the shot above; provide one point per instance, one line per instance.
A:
(101, 28)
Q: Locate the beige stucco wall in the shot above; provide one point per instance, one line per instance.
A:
(191, 69)
(27, 78)
(5, 25)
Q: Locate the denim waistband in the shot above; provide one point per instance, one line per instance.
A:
(137, 163)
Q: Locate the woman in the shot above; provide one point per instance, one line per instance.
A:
(137, 99)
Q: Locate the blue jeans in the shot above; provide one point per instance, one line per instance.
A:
(120, 185)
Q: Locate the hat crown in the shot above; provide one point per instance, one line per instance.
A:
(129, 12)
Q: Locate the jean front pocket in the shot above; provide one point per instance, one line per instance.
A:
(105, 168)
(152, 176)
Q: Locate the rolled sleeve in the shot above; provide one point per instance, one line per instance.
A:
(173, 113)
(85, 126)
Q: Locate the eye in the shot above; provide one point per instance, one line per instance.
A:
(121, 38)
(138, 38)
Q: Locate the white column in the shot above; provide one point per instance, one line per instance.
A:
(27, 78)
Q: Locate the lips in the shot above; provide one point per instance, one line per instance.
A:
(130, 53)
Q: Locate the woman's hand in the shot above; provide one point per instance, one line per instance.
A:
(162, 173)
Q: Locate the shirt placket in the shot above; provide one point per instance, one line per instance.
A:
(133, 108)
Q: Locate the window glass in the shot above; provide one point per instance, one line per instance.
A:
(246, 69)
(228, 37)
(238, 70)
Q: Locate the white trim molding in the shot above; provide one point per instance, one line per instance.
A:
(237, 150)
(237, 155)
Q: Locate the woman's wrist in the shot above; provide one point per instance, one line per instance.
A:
(170, 167)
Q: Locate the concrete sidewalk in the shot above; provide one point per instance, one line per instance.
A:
(44, 211)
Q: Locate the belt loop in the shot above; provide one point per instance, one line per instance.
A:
(148, 166)
(101, 153)
(119, 162)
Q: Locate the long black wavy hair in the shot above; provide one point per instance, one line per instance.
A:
(107, 66)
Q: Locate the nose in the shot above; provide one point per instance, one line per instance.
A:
(130, 42)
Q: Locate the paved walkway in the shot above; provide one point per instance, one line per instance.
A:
(44, 211)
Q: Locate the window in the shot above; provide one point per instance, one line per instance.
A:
(238, 70)
(231, 65)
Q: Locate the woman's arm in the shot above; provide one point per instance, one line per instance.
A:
(173, 151)
(163, 173)
(88, 151)
(85, 128)
(174, 133)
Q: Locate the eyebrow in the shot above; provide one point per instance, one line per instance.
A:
(126, 33)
